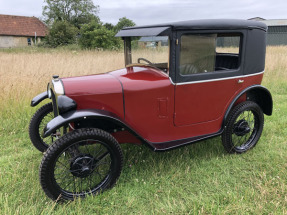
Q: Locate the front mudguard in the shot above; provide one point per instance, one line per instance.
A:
(37, 99)
(79, 115)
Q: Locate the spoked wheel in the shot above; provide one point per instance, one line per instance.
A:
(82, 162)
(37, 124)
(243, 128)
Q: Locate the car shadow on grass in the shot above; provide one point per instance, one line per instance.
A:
(142, 157)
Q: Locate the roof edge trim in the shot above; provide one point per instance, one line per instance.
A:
(141, 32)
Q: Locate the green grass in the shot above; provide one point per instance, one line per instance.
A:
(198, 179)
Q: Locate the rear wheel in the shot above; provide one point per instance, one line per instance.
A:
(82, 162)
(39, 120)
(243, 128)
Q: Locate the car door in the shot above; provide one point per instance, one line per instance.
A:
(208, 70)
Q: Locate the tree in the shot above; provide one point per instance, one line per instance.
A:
(61, 33)
(76, 12)
(124, 22)
(109, 26)
(94, 36)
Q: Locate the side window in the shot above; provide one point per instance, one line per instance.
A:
(228, 44)
(197, 53)
(208, 53)
(227, 52)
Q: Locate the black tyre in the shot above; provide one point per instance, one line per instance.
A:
(243, 127)
(82, 162)
(39, 120)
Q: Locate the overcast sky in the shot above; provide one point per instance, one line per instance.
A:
(161, 11)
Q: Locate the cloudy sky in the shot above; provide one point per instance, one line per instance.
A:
(162, 11)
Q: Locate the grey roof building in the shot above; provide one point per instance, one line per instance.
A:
(277, 30)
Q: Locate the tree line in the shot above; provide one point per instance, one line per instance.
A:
(77, 22)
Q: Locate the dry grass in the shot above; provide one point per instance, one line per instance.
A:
(276, 63)
(24, 75)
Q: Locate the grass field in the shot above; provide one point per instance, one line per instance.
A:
(198, 179)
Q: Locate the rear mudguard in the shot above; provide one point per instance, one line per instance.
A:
(37, 99)
(256, 93)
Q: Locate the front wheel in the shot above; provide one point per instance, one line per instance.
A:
(243, 127)
(82, 162)
(39, 120)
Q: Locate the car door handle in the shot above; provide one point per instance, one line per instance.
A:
(240, 81)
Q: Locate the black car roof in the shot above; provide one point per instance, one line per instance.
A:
(208, 24)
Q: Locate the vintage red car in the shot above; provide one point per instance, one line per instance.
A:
(183, 82)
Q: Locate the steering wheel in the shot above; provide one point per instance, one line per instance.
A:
(143, 59)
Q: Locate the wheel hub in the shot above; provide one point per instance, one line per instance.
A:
(241, 128)
(82, 165)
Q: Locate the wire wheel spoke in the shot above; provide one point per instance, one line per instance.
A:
(83, 167)
(48, 140)
(243, 129)
(87, 161)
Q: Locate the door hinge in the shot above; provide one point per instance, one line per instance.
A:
(176, 42)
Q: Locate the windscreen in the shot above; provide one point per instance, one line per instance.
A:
(152, 51)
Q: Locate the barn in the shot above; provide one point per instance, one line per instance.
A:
(20, 31)
(277, 30)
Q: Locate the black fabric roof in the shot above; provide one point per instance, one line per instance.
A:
(224, 24)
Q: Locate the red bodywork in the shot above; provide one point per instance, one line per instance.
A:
(146, 100)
